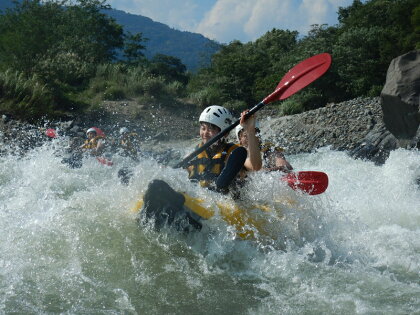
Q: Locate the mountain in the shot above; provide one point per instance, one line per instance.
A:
(193, 49)
(5, 4)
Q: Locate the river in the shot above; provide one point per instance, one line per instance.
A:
(70, 242)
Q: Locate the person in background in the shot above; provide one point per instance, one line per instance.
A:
(128, 146)
(73, 154)
(95, 142)
(128, 143)
(272, 158)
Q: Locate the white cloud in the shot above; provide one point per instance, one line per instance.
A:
(266, 15)
(180, 14)
(245, 20)
(315, 12)
(249, 19)
(225, 21)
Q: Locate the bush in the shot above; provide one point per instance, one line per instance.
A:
(175, 88)
(290, 107)
(154, 86)
(207, 96)
(135, 88)
(114, 93)
(25, 97)
(65, 67)
(97, 86)
(236, 105)
(375, 91)
(307, 99)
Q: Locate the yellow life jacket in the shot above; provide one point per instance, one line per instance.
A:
(92, 143)
(128, 144)
(205, 169)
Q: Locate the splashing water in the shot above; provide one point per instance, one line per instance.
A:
(70, 242)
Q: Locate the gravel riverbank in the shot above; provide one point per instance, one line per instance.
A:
(343, 126)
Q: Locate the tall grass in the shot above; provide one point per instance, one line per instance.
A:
(118, 81)
(24, 96)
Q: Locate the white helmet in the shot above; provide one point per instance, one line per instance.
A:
(239, 128)
(91, 130)
(217, 115)
(124, 130)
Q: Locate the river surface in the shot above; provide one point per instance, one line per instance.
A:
(70, 242)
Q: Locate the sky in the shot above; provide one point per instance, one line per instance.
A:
(228, 20)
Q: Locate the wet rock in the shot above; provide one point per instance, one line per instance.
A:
(377, 146)
(400, 97)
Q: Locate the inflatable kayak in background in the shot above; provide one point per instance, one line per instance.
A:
(104, 161)
(162, 205)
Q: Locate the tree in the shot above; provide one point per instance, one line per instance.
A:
(391, 15)
(371, 34)
(357, 55)
(277, 42)
(61, 41)
(169, 67)
(133, 48)
(242, 65)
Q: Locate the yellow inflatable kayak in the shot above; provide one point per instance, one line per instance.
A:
(163, 205)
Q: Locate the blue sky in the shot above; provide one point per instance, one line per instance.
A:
(228, 20)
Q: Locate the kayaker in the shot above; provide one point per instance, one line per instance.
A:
(73, 154)
(272, 159)
(95, 142)
(215, 168)
(128, 143)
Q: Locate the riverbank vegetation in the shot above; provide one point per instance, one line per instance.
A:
(60, 57)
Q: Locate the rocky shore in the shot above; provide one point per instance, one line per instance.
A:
(355, 126)
(344, 126)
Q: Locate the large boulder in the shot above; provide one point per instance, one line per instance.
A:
(400, 97)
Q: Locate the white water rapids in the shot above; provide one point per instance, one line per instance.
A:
(70, 242)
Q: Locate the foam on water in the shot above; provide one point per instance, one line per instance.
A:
(70, 242)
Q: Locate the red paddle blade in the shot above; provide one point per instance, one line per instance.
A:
(313, 183)
(304, 73)
(300, 76)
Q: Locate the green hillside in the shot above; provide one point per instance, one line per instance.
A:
(193, 49)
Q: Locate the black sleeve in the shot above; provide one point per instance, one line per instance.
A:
(233, 165)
